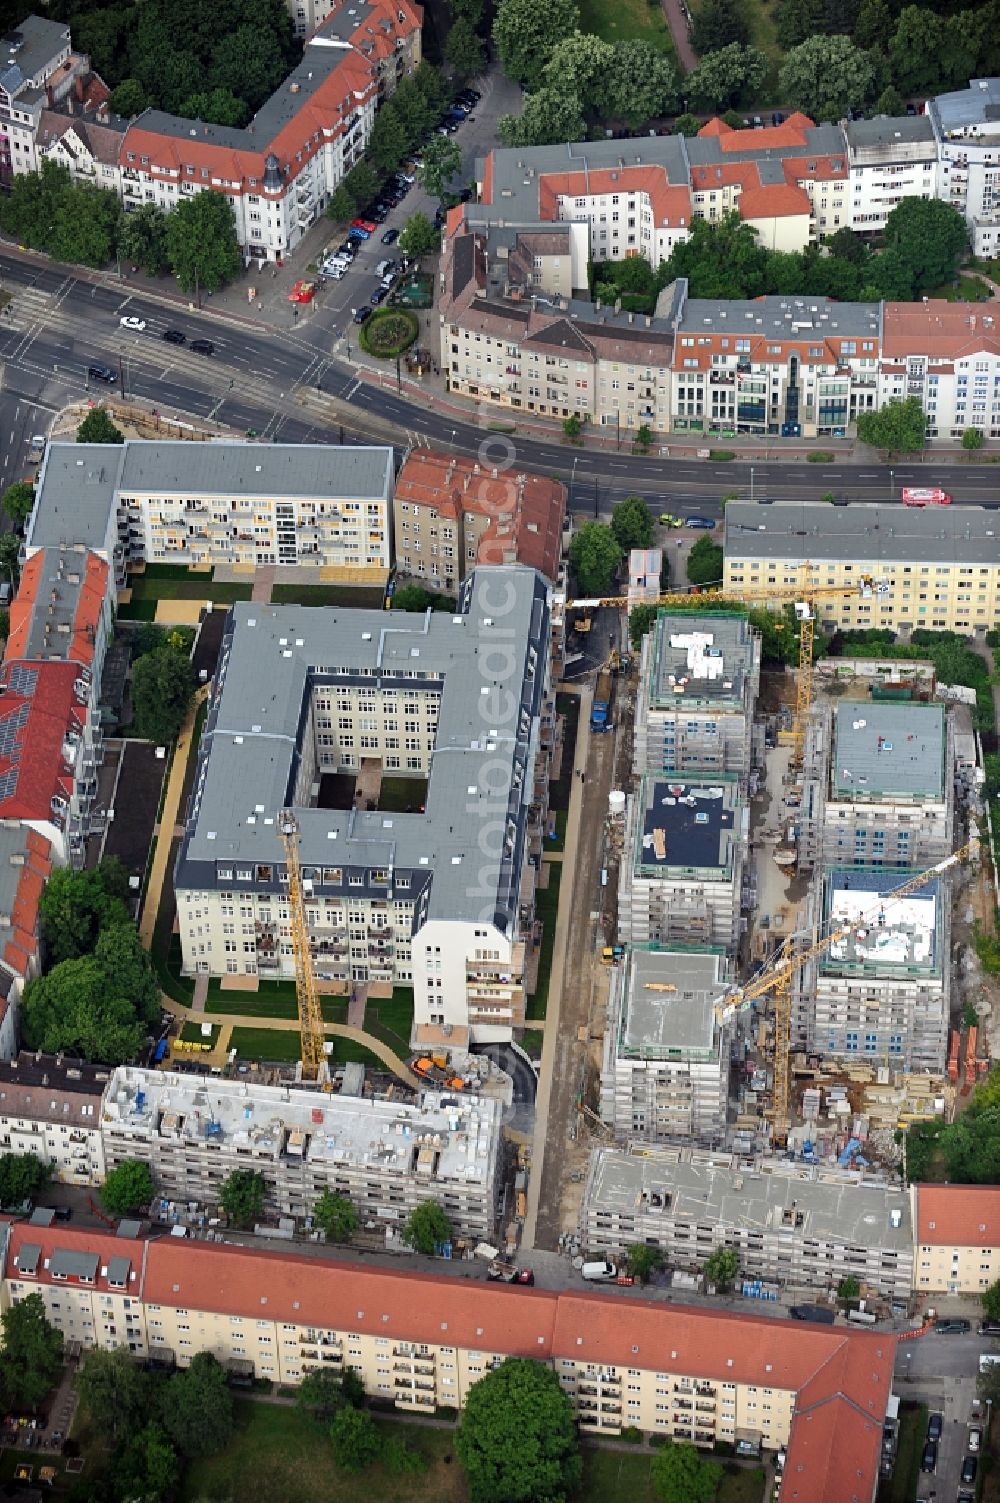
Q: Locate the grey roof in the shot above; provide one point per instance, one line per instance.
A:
(80, 484)
(979, 104)
(680, 674)
(28, 1258)
(750, 146)
(657, 1024)
(489, 675)
(29, 49)
(118, 1271)
(56, 603)
(69, 1264)
(884, 748)
(697, 820)
(129, 1229)
(802, 318)
(888, 131)
(869, 533)
(703, 1191)
(42, 1216)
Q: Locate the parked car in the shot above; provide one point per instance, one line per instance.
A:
(989, 1328)
(174, 336)
(952, 1327)
(928, 1460)
(363, 224)
(390, 237)
(357, 233)
(705, 523)
(969, 1468)
(131, 322)
(378, 296)
(360, 314)
(975, 1439)
(386, 264)
(934, 1426)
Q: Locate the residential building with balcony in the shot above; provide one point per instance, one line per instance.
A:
(440, 896)
(881, 991)
(790, 1224)
(451, 515)
(966, 127)
(37, 66)
(665, 1072)
(957, 1234)
(940, 565)
(367, 26)
(50, 1107)
(682, 866)
(25, 863)
(820, 1393)
(949, 359)
(385, 1156)
(87, 146)
(698, 681)
(889, 159)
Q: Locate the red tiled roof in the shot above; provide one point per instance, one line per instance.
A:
(670, 204)
(86, 621)
(958, 1215)
(940, 330)
(41, 705)
(21, 944)
(777, 201)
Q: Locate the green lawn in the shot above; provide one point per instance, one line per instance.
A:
(558, 817)
(399, 794)
(547, 907)
(367, 597)
(194, 587)
(279, 1455)
(621, 20)
(623, 1477)
(532, 1040)
(901, 1487)
(191, 1034)
(969, 290)
(281, 1045)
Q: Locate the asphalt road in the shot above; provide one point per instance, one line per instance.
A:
(289, 387)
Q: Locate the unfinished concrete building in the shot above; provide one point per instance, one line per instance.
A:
(682, 865)
(879, 787)
(698, 685)
(792, 1224)
(666, 1053)
(881, 993)
(385, 1156)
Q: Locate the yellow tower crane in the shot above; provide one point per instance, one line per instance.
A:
(314, 1064)
(802, 595)
(777, 979)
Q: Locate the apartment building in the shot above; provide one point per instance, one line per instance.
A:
(965, 127)
(879, 785)
(665, 1071)
(36, 66)
(949, 359)
(50, 1107)
(881, 991)
(26, 860)
(957, 1235)
(698, 681)
(888, 159)
(312, 505)
(441, 896)
(819, 1393)
(941, 565)
(791, 1224)
(682, 866)
(387, 1157)
(452, 514)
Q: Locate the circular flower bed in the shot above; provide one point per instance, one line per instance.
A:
(389, 332)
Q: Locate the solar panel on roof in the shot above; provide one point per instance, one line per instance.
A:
(8, 784)
(23, 680)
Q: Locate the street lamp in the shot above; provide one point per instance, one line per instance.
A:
(751, 482)
(892, 493)
(572, 481)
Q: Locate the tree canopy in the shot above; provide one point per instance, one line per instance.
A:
(726, 77)
(640, 621)
(142, 239)
(632, 524)
(517, 1441)
(197, 1407)
(930, 237)
(77, 906)
(97, 428)
(356, 1441)
(162, 686)
(680, 1474)
(595, 554)
(463, 51)
(201, 242)
(146, 1467)
(17, 501)
(704, 562)
(717, 24)
(128, 1187)
(990, 1299)
(22, 1175)
(99, 1006)
(336, 1216)
(898, 426)
(721, 1267)
(75, 222)
(442, 159)
(114, 1391)
(242, 1196)
(525, 34)
(418, 237)
(32, 1354)
(427, 1226)
(825, 76)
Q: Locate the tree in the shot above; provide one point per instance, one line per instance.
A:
(632, 524)
(361, 183)
(418, 236)
(146, 1470)
(595, 554)
(990, 1299)
(890, 102)
(525, 34)
(463, 51)
(389, 140)
(717, 24)
(128, 1187)
(704, 563)
(17, 501)
(335, 1216)
(32, 1354)
(847, 245)
(342, 206)
(826, 76)
(723, 78)
(547, 117)
(572, 427)
(321, 1393)
(721, 1267)
(930, 237)
(897, 426)
(442, 159)
(217, 106)
(644, 436)
(162, 685)
(201, 242)
(874, 26)
(640, 621)
(248, 62)
(356, 1441)
(972, 439)
(799, 19)
(142, 239)
(242, 1196)
(197, 1406)
(75, 907)
(10, 556)
(97, 428)
(427, 1227)
(79, 1007)
(988, 1385)
(642, 1259)
(681, 1475)
(848, 1288)
(687, 125)
(114, 1391)
(22, 1175)
(72, 221)
(918, 44)
(128, 99)
(467, 10)
(517, 1441)
(579, 65)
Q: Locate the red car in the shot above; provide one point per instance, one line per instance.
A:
(363, 224)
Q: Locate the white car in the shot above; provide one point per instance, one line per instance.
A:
(138, 324)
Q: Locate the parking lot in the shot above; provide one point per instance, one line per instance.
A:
(940, 1370)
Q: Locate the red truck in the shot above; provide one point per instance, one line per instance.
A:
(925, 495)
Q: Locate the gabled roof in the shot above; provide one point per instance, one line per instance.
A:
(40, 709)
(780, 201)
(958, 1215)
(56, 613)
(25, 864)
(939, 330)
